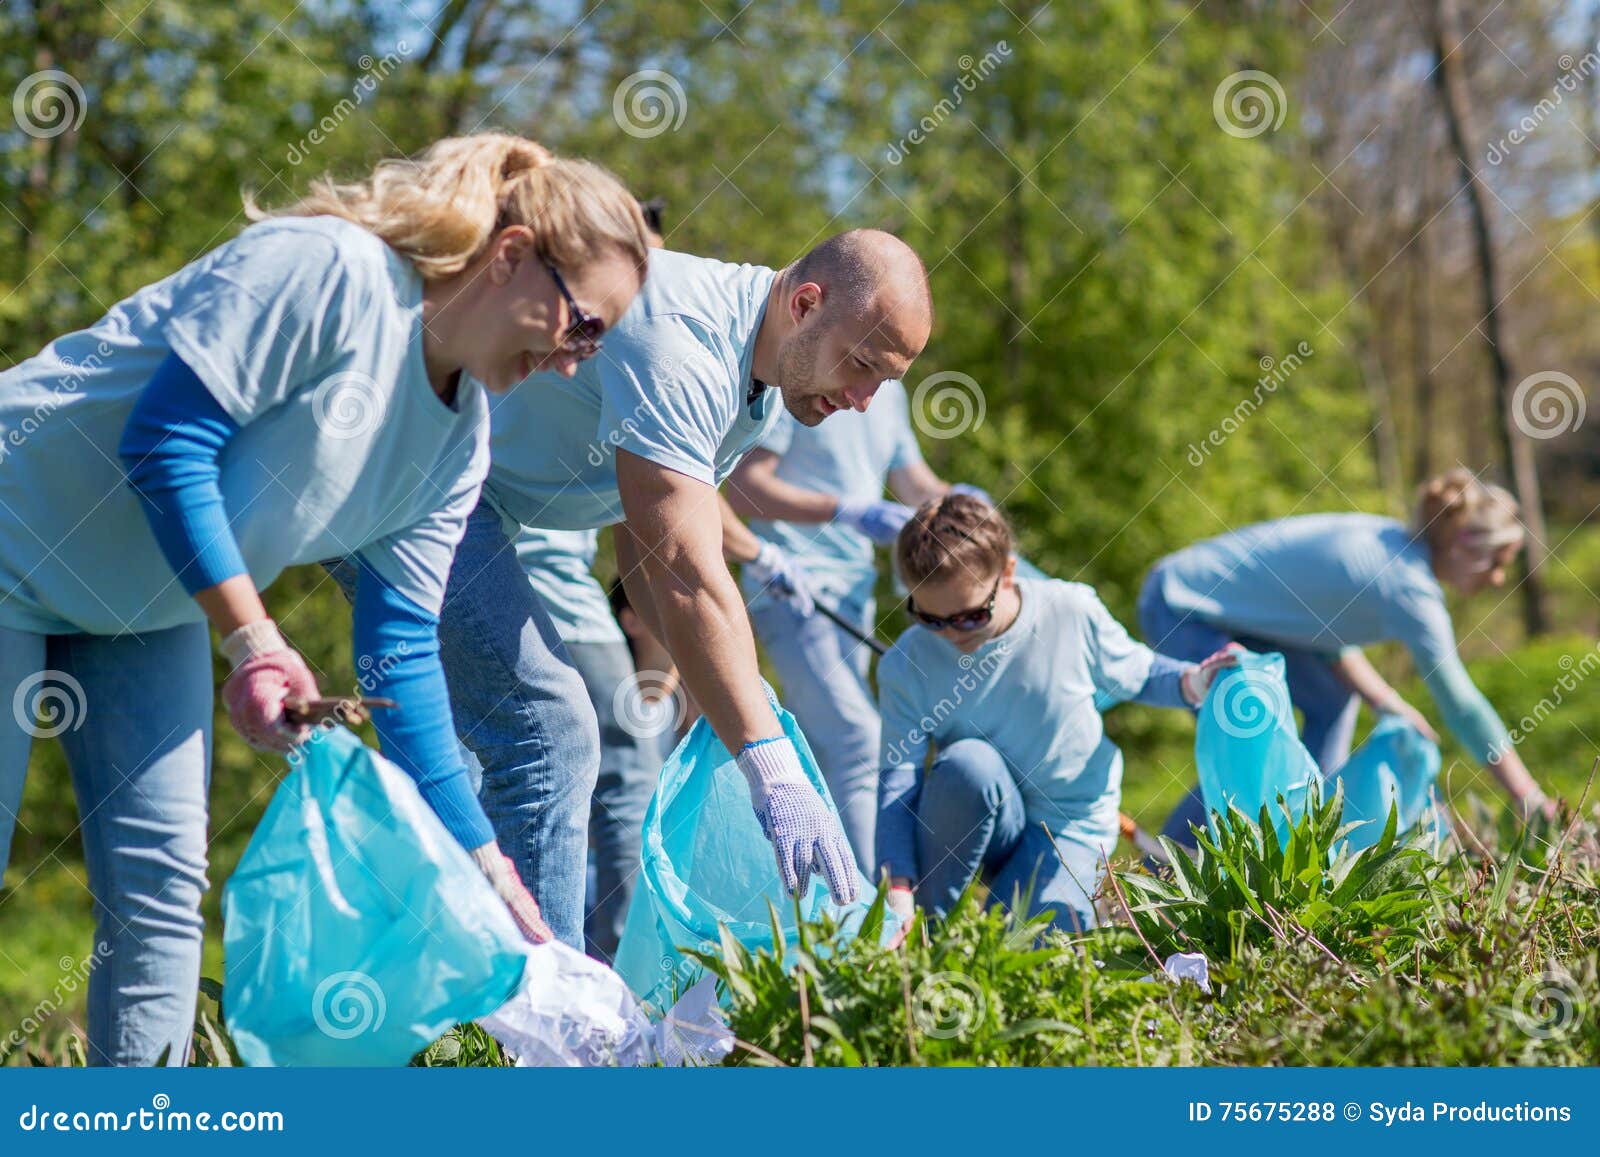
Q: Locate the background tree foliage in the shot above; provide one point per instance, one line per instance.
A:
(1168, 328)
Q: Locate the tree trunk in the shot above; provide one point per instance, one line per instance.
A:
(1516, 449)
(1420, 317)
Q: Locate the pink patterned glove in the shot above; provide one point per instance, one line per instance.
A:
(502, 876)
(266, 671)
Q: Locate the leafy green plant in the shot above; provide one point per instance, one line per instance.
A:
(980, 987)
(1242, 886)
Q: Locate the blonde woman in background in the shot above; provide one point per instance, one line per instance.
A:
(1319, 587)
(307, 390)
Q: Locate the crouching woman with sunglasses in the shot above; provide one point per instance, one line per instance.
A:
(1005, 678)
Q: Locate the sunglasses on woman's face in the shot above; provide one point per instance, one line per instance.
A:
(961, 620)
(583, 335)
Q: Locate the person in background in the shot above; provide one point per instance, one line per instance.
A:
(1319, 587)
(1003, 679)
(817, 495)
(634, 709)
(311, 387)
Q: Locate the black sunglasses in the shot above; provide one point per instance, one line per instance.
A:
(583, 335)
(961, 620)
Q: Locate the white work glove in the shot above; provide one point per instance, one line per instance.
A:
(776, 569)
(805, 834)
(879, 520)
(501, 873)
(902, 902)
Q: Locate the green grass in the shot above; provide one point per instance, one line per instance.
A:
(46, 918)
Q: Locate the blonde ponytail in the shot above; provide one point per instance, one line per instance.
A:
(443, 208)
(1457, 511)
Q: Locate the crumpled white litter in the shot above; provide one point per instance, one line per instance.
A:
(571, 1011)
(1181, 966)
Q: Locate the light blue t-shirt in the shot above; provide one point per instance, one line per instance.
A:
(308, 332)
(1031, 693)
(559, 565)
(1324, 582)
(850, 455)
(672, 385)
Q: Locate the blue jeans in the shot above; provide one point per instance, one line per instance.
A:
(1327, 707)
(521, 709)
(824, 677)
(133, 715)
(971, 821)
(630, 765)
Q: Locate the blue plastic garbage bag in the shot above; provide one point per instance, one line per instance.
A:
(1396, 765)
(356, 928)
(705, 863)
(1247, 746)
